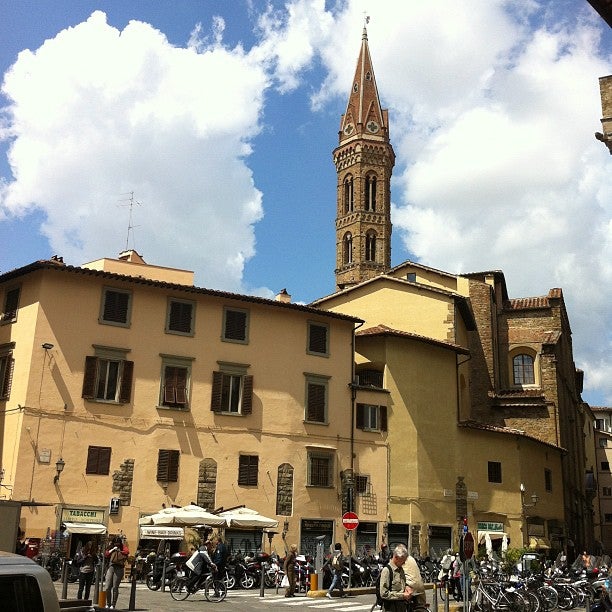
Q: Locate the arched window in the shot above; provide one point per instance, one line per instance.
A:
(523, 371)
(348, 194)
(347, 249)
(370, 193)
(370, 251)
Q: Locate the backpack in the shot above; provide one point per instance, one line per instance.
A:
(379, 600)
(335, 562)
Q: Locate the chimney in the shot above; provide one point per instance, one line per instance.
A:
(283, 296)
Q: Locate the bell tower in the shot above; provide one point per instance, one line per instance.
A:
(364, 160)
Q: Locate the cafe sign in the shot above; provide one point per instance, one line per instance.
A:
(82, 515)
(487, 526)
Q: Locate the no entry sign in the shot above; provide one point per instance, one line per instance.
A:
(350, 520)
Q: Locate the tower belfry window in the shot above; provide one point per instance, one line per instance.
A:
(348, 194)
(370, 253)
(347, 249)
(370, 193)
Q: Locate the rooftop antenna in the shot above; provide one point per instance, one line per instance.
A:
(130, 230)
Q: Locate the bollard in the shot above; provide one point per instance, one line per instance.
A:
(132, 605)
(262, 585)
(446, 595)
(102, 599)
(435, 597)
(65, 568)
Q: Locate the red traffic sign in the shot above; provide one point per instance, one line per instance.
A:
(350, 520)
(468, 545)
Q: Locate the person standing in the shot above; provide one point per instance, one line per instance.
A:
(219, 556)
(117, 553)
(393, 589)
(86, 560)
(289, 567)
(337, 568)
(414, 581)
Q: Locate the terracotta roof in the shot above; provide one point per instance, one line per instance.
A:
(542, 301)
(469, 424)
(601, 408)
(384, 330)
(61, 267)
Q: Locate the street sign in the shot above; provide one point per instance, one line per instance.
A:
(468, 545)
(350, 520)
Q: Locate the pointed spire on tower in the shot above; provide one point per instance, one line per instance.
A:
(364, 115)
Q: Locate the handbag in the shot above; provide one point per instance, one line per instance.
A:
(285, 581)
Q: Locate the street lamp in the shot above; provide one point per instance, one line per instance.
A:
(59, 467)
(524, 506)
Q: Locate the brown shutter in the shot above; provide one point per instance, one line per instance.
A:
(215, 398)
(125, 392)
(92, 460)
(5, 384)
(104, 458)
(317, 341)
(169, 385)
(11, 303)
(162, 465)
(235, 325)
(383, 418)
(247, 394)
(181, 386)
(360, 416)
(116, 305)
(89, 378)
(173, 465)
(180, 317)
(316, 403)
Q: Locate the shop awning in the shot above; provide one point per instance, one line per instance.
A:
(156, 532)
(494, 535)
(93, 528)
(539, 543)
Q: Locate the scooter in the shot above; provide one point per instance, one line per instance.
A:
(173, 566)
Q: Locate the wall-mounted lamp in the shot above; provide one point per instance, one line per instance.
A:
(59, 467)
(47, 346)
(534, 498)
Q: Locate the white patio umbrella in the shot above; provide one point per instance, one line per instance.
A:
(185, 516)
(247, 518)
(504, 546)
(489, 545)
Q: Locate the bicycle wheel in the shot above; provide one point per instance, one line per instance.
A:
(567, 599)
(515, 601)
(178, 589)
(548, 597)
(215, 590)
(442, 590)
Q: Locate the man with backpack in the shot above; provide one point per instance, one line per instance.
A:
(337, 568)
(393, 592)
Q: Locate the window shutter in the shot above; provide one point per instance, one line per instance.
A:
(215, 398)
(116, 306)
(98, 460)
(180, 317)
(248, 466)
(181, 386)
(316, 402)
(360, 424)
(170, 385)
(167, 465)
(317, 342)
(11, 303)
(92, 460)
(89, 378)
(125, 393)
(5, 388)
(235, 325)
(104, 460)
(247, 394)
(382, 412)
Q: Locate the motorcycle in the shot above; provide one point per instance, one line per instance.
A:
(173, 568)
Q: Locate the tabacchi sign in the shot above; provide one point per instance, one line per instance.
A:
(82, 515)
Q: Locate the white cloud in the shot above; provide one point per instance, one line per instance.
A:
(97, 113)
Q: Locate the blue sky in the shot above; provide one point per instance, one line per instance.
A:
(221, 117)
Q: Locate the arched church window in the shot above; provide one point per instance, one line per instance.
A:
(370, 253)
(347, 248)
(370, 192)
(523, 371)
(348, 194)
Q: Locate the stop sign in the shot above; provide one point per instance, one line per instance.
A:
(468, 545)
(350, 520)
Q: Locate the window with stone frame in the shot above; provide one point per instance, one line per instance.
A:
(108, 376)
(316, 399)
(318, 338)
(175, 383)
(116, 307)
(235, 325)
(232, 389)
(98, 460)
(370, 192)
(494, 469)
(167, 465)
(248, 470)
(348, 194)
(7, 364)
(320, 468)
(11, 305)
(180, 317)
(347, 248)
(523, 369)
(370, 246)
